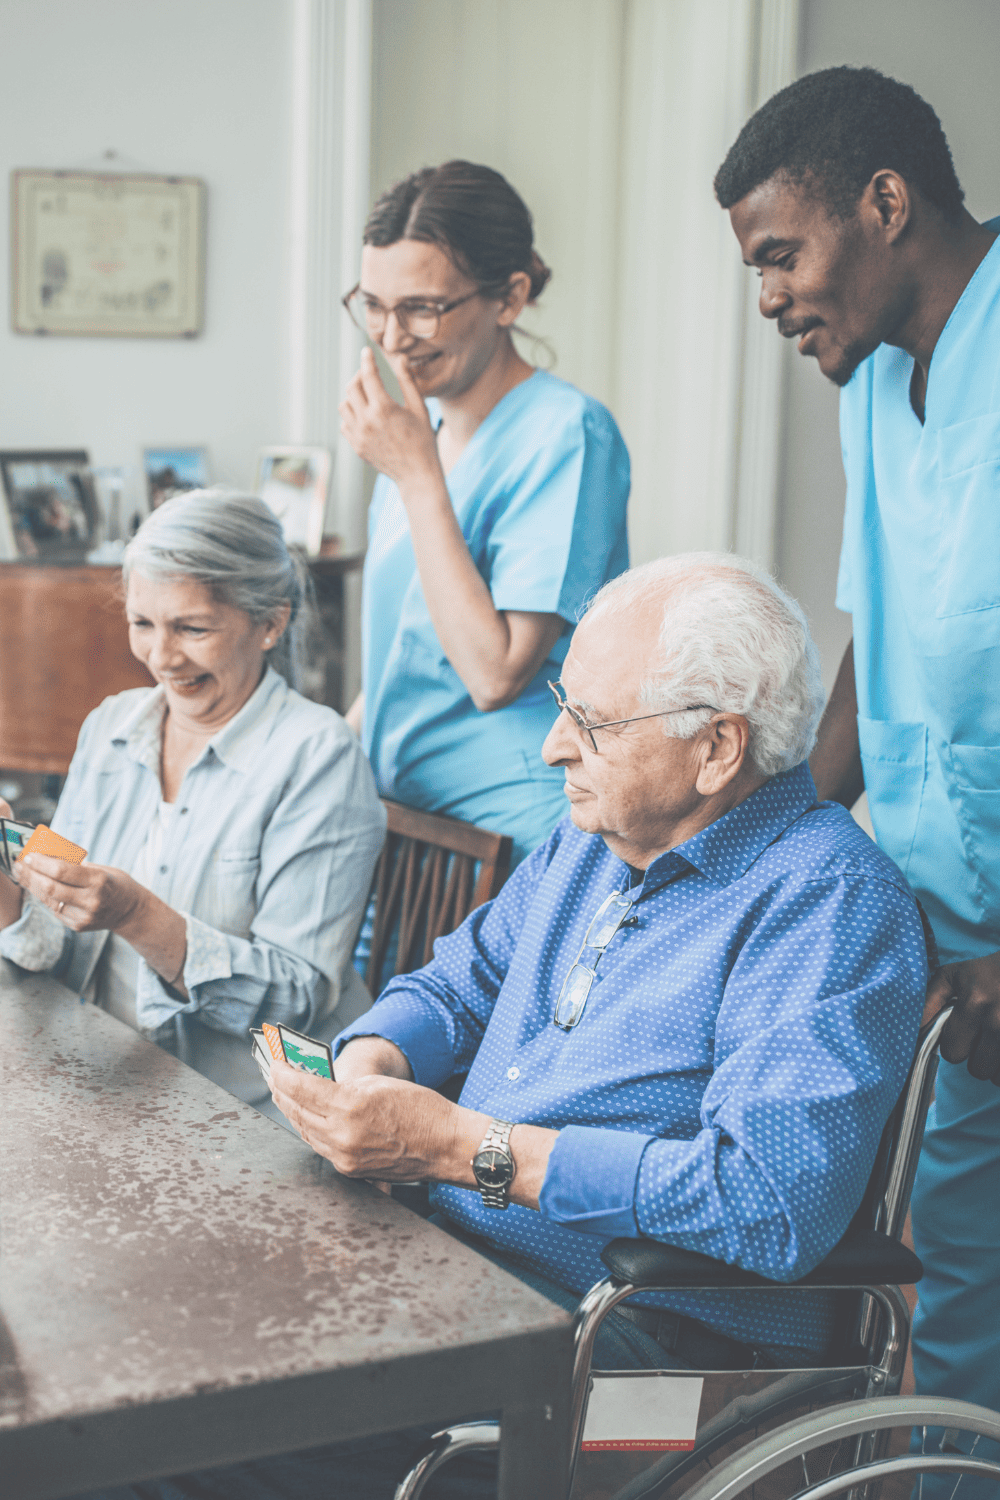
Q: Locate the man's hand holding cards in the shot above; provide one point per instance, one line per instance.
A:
(379, 1127)
(281, 1044)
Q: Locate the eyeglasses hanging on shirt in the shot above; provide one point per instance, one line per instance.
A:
(612, 913)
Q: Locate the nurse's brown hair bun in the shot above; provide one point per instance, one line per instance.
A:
(473, 214)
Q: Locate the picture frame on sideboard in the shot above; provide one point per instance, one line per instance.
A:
(49, 511)
(171, 469)
(293, 482)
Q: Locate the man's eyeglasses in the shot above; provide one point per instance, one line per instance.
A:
(419, 318)
(586, 728)
(578, 983)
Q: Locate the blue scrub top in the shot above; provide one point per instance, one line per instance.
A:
(920, 573)
(540, 493)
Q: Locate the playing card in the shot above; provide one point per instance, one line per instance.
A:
(261, 1059)
(14, 838)
(44, 841)
(272, 1041)
(305, 1052)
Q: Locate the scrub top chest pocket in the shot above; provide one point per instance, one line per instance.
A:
(894, 758)
(968, 456)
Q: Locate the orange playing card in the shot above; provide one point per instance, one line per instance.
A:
(273, 1040)
(44, 841)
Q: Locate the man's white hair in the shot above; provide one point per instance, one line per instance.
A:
(729, 637)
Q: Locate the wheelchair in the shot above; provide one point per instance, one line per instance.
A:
(819, 1450)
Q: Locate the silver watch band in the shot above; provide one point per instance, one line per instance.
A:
(497, 1138)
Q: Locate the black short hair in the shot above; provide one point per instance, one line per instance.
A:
(837, 128)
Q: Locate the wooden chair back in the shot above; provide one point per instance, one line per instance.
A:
(425, 883)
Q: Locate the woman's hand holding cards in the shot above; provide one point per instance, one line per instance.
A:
(99, 898)
(85, 897)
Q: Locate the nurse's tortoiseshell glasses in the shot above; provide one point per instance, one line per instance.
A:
(418, 317)
(586, 728)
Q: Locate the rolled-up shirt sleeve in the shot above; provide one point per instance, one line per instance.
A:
(37, 940)
(806, 1074)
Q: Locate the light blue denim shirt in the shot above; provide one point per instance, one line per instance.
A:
(269, 860)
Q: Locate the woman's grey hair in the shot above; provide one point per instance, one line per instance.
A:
(234, 545)
(730, 637)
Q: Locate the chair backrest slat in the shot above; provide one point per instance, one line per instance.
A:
(415, 902)
(387, 885)
(437, 862)
(426, 884)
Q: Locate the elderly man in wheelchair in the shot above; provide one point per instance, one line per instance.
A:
(685, 1022)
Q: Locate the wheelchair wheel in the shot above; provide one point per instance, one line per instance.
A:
(858, 1435)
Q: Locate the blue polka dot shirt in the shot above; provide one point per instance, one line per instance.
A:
(749, 1030)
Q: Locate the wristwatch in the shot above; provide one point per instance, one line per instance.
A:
(493, 1164)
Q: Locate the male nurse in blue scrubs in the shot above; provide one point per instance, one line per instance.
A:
(843, 196)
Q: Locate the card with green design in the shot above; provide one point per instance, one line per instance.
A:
(305, 1052)
(13, 838)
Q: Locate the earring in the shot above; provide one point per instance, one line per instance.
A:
(268, 641)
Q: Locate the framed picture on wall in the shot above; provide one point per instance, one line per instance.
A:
(293, 482)
(113, 254)
(171, 470)
(50, 507)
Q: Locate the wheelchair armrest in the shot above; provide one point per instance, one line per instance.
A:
(862, 1258)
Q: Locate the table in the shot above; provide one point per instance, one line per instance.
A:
(183, 1282)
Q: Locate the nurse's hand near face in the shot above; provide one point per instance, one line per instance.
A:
(397, 440)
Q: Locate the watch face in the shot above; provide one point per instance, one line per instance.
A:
(493, 1168)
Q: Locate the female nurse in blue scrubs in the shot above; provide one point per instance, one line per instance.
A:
(499, 508)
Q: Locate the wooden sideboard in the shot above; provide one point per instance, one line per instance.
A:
(64, 648)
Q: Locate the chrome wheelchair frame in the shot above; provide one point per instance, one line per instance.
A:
(870, 1261)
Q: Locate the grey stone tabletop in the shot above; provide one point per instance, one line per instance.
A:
(183, 1281)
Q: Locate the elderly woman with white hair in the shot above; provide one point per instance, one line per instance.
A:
(231, 825)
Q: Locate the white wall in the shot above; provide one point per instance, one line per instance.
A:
(951, 55)
(192, 88)
(529, 89)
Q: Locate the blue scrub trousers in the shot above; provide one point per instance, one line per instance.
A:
(956, 1232)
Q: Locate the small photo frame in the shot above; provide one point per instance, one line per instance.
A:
(51, 510)
(171, 471)
(293, 483)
